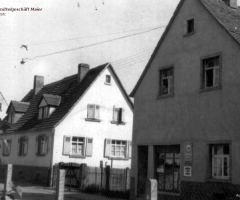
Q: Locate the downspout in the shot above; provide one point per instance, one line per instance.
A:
(51, 160)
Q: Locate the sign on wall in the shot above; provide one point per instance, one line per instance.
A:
(188, 151)
(187, 171)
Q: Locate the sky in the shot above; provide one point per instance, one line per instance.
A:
(60, 34)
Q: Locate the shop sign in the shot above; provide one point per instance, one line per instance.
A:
(187, 170)
(188, 154)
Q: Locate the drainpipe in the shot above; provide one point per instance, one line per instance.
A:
(51, 159)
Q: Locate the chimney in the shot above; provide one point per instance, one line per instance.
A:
(38, 84)
(232, 3)
(82, 71)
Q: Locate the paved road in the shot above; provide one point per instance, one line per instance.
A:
(46, 193)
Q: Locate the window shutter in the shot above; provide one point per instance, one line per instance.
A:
(9, 146)
(115, 114)
(89, 146)
(27, 139)
(129, 149)
(19, 146)
(185, 28)
(97, 112)
(123, 115)
(108, 145)
(66, 145)
(46, 146)
(90, 111)
(37, 145)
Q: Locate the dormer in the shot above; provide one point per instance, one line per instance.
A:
(48, 105)
(16, 110)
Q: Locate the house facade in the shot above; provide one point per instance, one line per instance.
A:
(84, 118)
(186, 105)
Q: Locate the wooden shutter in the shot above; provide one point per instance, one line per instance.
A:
(185, 27)
(46, 146)
(108, 144)
(123, 115)
(129, 149)
(37, 145)
(89, 146)
(27, 139)
(9, 146)
(66, 145)
(90, 111)
(19, 146)
(115, 114)
(97, 112)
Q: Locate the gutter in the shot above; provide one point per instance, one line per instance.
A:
(50, 183)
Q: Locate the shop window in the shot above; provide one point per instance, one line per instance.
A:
(166, 81)
(167, 168)
(211, 72)
(220, 161)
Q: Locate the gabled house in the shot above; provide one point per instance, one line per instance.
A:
(84, 118)
(186, 105)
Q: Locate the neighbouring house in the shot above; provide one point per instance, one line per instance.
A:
(84, 118)
(3, 108)
(187, 105)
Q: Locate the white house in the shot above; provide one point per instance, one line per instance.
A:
(84, 118)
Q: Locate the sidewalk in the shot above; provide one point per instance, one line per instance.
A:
(47, 193)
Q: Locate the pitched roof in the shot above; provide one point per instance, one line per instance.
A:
(227, 17)
(52, 100)
(19, 106)
(70, 91)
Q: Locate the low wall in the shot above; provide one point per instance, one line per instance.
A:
(27, 174)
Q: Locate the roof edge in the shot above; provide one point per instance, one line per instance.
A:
(156, 48)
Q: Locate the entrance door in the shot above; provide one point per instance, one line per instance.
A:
(142, 169)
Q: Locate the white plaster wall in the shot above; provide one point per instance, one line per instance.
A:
(75, 125)
(31, 159)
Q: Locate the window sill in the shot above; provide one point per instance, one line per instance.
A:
(169, 193)
(219, 180)
(40, 155)
(118, 123)
(115, 158)
(6, 155)
(22, 155)
(210, 88)
(77, 156)
(188, 34)
(107, 84)
(92, 120)
(165, 96)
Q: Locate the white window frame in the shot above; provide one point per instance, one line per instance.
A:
(120, 146)
(222, 157)
(216, 72)
(23, 145)
(96, 114)
(42, 145)
(78, 143)
(169, 80)
(7, 147)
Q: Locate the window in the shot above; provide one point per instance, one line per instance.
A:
(11, 118)
(220, 161)
(211, 72)
(167, 167)
(118, 148)
(93, 111)
(42, 145)
(190, 26)
(0, 107)
(108, 79)
(22, 146)
(118, 115)
(7, 147)
(77, 146)
(166, 81)
(43, 113)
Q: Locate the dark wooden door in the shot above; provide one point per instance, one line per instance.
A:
(142, 170)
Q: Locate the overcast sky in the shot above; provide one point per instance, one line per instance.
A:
(67, 25)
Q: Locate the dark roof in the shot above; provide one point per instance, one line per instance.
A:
(70, 91)
(229, 19)
(19, 106)
(52, 100)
